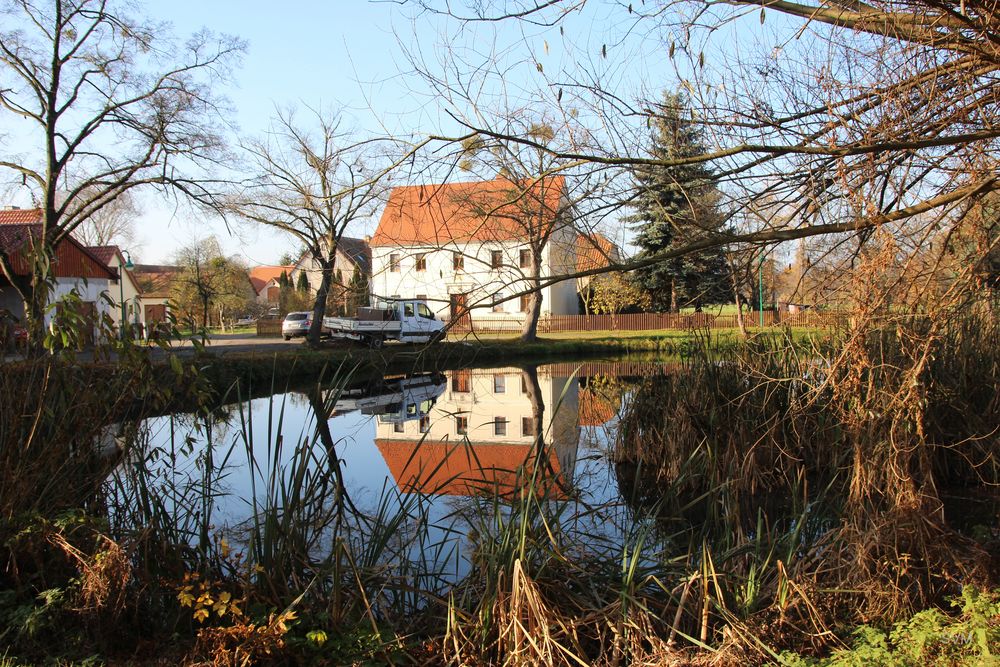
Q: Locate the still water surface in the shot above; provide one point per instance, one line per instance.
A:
(430, 445)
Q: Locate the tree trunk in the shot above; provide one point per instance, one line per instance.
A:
(529, 332)
(739, 304)
(319, 306)
(673, 296)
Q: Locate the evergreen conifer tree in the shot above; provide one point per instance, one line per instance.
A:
(674, 206)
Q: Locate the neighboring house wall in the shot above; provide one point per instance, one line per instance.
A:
(351, 254)
(127, 292)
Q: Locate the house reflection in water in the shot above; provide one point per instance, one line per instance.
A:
(481, 430)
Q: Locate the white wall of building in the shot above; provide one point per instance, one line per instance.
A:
(489, 290)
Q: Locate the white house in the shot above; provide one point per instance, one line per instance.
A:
(128, 291)
(466, 245)
(74, 268)
(480, 430)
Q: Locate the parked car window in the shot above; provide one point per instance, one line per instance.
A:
(424, 311)
(295, 317)
(408, 310)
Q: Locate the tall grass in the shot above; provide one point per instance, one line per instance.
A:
(756, 515)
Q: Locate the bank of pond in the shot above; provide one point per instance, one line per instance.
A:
(748, 505)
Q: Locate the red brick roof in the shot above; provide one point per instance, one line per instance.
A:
(262, 275)
(20, 215)
(595, 251)
(73, 260)
(479, 211)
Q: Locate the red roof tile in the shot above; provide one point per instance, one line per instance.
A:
(262, 275)
(478, 211)
(19, 215)
(73, 260)
(595, 251)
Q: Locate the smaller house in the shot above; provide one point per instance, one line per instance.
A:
(129, 292)
(156, 283)
(352, 268)
(74, 268)
(265, 282)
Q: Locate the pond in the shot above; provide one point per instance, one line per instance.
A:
(426, 453)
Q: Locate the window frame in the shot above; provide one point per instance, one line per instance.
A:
(420, 261)
(524, 258)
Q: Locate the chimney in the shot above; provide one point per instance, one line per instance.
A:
(13, 208)
(368, 239)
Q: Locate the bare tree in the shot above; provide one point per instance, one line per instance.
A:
(852, 117)
(527, 194)
(112, 225)
(104, 103)
(312, 181)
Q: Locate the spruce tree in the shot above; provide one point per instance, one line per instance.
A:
(675, 205)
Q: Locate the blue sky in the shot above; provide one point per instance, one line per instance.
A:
(340, 54)
(351, 55)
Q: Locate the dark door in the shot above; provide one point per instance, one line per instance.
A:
(460, 311)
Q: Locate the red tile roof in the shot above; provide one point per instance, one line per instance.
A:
(72, 259)
(478, 211)
(595, 251)
(262, 275)
(105, 253)
(19, 215)
(459, 469)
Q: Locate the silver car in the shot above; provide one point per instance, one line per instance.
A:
(296, 324)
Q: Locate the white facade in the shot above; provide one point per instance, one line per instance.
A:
(483, 408)
(124, 290)
(467, 268)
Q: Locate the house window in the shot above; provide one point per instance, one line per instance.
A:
(394, 263)
(500, 426)
(421, 262)
(457, 261)
(461, 381)
(528, 426)
(525, 302)
(425, 423)
(496, 259)
(461, 425)
(525, 259)
(498, 303)
(499, 384)
(398, 427)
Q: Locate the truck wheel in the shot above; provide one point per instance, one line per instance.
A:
(437, 336)
(375, 342)
(288, 337)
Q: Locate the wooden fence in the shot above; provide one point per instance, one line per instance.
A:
(634, 322)
(648, 322)
(269, 328)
